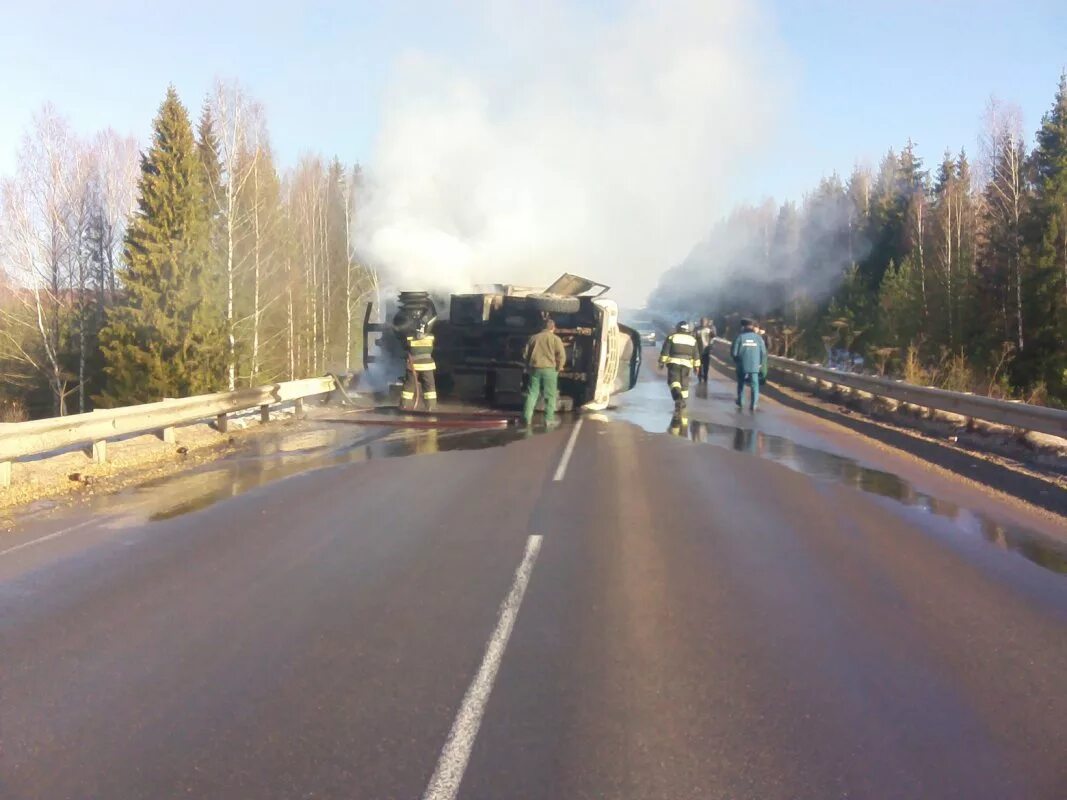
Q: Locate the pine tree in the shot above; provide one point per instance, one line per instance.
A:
(163, 337)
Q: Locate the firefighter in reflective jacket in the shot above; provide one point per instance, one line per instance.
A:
(419, 382)
(681, 355)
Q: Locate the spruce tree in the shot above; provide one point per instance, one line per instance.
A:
(163, 337)
(1046, 234)
(885, 224)
(213, 187)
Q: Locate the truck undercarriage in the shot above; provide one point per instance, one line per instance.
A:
(480, 342)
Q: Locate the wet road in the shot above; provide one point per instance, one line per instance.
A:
(760, 607)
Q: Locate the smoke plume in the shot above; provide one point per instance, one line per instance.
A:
(598, 146)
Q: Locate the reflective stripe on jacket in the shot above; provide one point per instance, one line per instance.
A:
(681, 349)
(421, 351)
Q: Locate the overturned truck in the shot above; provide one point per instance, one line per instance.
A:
(480, 338)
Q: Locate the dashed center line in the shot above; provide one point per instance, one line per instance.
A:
(55, 535)
(444, 785)
(561, 470)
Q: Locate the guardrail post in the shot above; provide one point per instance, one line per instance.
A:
(99, 451)
(222, 423)
(264, 414)
(167, 435)
(5, 474)
(298, 408)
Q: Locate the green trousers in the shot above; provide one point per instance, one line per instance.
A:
(543, 380)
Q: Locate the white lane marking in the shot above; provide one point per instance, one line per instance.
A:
(452, 763)
(55, 535)
(561, 470)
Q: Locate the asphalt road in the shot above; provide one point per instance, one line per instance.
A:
(810, 617)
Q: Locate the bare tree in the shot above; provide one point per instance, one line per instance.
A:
(1004, 159)
(235, 115)
(117, 168)
(37, 241)
(347, 186)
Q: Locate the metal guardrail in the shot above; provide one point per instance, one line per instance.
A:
(1004, 412)
(95, 428)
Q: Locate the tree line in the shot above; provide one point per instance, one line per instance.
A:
(953, 276)
(190, 267)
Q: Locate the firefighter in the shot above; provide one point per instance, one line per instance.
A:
(420, 382)
(681, 355)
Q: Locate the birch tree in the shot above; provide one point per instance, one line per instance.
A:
(37, 243)
(234, 115)
(1004, 206)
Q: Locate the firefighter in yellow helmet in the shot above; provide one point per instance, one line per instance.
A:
(680, 355)
(420, 383)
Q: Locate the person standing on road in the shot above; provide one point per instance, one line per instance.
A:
(545, 358)
(705, 333)
(420, 377)
(750, 357)
(680, 355)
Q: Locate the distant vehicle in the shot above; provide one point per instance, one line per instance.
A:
(479, 343)
(646, 331)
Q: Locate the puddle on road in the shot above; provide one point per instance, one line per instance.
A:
(273, 458)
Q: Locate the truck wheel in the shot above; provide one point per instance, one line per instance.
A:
(553, 303)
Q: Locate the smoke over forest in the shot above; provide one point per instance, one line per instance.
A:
(954, 275)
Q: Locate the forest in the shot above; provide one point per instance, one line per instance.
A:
(192, 265)
(952, 275)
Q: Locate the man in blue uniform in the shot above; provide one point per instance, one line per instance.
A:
(750, 357)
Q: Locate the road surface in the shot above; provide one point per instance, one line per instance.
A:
(777, 609)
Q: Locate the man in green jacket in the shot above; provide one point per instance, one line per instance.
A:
(545, 357)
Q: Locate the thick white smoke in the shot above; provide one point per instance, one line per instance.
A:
(608, 151)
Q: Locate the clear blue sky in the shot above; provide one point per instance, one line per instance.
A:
(864, 74)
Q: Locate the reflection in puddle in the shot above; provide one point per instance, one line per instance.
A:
(275, 458)
(821, 465)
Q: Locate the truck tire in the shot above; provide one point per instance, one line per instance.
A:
(548, 303)
(412, 306)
